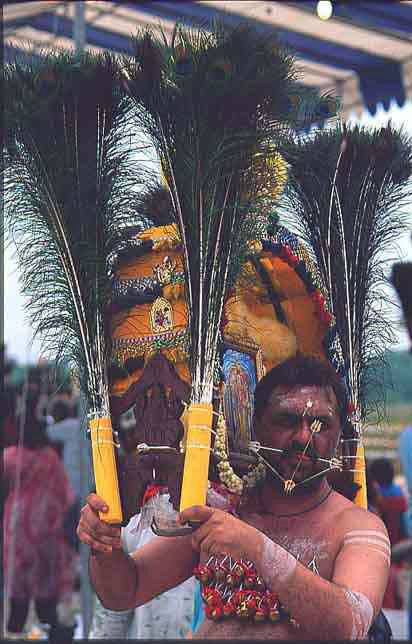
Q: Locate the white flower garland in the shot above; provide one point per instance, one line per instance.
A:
(232, 481)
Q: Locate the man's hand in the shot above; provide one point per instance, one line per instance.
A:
(221, 532)
(92, 531)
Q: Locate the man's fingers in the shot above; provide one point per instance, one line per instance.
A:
(199, 535)
(200, 513)
(102, 529)
(96, 503)
(96, 545)
(92, 531)
(90, 518)
(91, 537)
(208, 546)
(102, 538)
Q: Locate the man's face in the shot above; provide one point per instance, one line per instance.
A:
(288, 423)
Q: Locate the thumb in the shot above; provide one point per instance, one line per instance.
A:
(200, 513)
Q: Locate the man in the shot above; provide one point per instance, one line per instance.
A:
(325, 559)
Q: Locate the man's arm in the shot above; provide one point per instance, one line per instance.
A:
(124, 581)
(342, 608)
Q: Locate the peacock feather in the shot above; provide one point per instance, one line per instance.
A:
(68, 178)
(347, 195)
(215, 104)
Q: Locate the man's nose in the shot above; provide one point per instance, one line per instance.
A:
(303, 432)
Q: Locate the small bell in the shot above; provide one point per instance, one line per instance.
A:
(260, 584)
(216, 613)
(229, 609)
(274, 613)
(206, 575)
(259, 616)
(230, 580)
(202, 574)
(239, 573)
(220, 574)
(250, 581)
(242, 610)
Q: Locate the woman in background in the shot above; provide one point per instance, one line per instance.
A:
(36, 559)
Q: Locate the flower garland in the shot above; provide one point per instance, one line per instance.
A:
(232, 481)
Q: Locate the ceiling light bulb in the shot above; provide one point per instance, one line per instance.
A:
(324, 9)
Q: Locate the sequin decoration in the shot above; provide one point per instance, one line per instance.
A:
(165, 271)
(161, 315)
(287, 246)
(124, 348)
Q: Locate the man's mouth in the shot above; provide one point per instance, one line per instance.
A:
(301, 457)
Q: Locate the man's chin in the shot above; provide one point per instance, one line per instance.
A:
(303, 485)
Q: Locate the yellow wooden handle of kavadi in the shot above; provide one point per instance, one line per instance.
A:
(105, 471)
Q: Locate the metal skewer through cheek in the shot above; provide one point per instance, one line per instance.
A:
(333, 465)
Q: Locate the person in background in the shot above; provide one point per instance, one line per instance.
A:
(390, 500)
(373, 493)
(405, 457)
(391, 505)
(37, 561)
(9, 429)
(66, 431)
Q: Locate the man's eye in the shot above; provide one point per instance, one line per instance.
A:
(285, 420)
(324, 424)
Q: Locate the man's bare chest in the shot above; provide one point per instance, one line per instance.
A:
(313, 544)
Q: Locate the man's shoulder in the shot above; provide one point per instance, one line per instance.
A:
(351, 517)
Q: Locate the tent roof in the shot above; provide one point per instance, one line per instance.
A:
(363, 53)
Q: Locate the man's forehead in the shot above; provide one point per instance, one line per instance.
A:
(303, 397)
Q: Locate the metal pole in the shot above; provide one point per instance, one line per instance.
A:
(2, 277)
(79, 27)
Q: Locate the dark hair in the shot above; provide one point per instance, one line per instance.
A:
(60, 409)
(301, 370)
(382, 471)
(35, 435)
(342, 482)
(7, 402)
